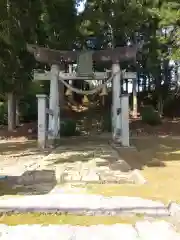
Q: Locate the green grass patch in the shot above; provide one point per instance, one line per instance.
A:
(47, 219)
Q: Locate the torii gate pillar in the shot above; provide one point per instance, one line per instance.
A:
(120, 109)
(116, 102)
(54, 118)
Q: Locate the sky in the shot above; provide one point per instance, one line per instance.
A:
(81, 6)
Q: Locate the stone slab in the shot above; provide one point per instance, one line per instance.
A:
(141, 231)
(156, 230)
(137, 177)
(115, 232)
(174, 210)
(85, 204)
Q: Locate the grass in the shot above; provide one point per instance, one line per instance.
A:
(158, 159)
(47, 219)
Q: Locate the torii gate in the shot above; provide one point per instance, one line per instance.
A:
(84, 59)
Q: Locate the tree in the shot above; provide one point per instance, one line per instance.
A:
(47, 23)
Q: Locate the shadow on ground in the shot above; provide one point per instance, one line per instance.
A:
(169, 127)
(20, 151)
(14, 147)
(30, 183)
(86, 150)
(20, 148)
(152, 152)
(25, 130)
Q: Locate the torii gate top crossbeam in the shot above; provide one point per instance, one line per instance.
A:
(51, 56)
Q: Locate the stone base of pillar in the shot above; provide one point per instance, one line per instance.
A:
(52, 143)
(42, 144)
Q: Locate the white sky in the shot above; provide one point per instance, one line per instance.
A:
(81, 6)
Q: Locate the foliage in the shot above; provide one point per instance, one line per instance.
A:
(171, 106)
(107, 23)
(3, 113)
(28, 104)
(68, 128)
(28, 109)
(107, 122)
(150, 116)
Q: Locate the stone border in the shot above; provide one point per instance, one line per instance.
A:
(153, 213)
(84, 204)
(174, 210)
(90, 204)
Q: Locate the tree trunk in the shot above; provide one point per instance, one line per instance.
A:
(17, 113)
(158, 89)
(11, 111)
(149, 83)
(160, 105)
(138, 82)
(134, 82)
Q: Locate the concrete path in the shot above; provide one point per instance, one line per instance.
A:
(140, 231)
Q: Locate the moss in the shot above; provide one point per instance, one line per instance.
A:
(47, 219)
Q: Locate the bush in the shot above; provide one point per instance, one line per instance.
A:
(150, 116)
(68, 128)
(28, 109)
(3, 113)
(107, 123)
(28, 104)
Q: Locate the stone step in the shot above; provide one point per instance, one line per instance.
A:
(84, 204)
(140, 231)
